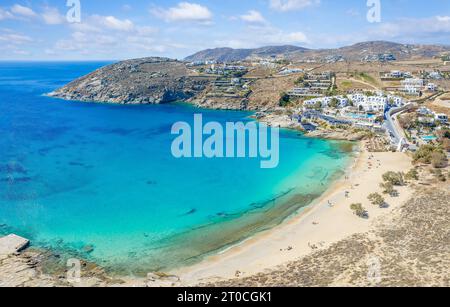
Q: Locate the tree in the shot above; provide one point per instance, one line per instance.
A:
(396, 179)
(334, 103)
(300, 80)
(359, 210)
(318, 105)
(377, 200)
(284, 99)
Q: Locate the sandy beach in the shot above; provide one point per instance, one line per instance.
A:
(327, 221)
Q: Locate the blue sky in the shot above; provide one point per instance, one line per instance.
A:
(120, 29)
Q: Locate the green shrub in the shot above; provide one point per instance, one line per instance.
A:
(430, 154)
(413, 174)
(284, 99)
(359, 210)
(438, 159)
(396, 179)
(388, 188)
(376, 199)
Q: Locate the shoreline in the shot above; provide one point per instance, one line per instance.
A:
(224, 264)
(302, 233)
(298, 235)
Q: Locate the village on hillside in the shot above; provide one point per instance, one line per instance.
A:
(402, 104)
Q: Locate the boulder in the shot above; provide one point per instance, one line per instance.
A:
(12, 244)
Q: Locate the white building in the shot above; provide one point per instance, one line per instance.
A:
(435, 75)
(432, 87)
(396, 74)
(326, 101)
(415, 82)
(365, 103)
(443, 118)
(396, 100)
(290, 71)
(377, 103)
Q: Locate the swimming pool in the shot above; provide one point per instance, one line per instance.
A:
(429, 138)
(361, 116)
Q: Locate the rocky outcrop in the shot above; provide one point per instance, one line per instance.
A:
(338, 134)
(12, 244)
(139, 81)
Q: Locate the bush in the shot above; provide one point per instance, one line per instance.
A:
(359, 210)
(439, 175)
(284, 99)
(438, 159)
(396, 179)
(412, 175)
(430, 154)
(388, 188)
(377, 200)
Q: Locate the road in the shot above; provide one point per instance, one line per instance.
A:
(393, 127)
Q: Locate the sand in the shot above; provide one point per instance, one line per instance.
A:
(327, 221)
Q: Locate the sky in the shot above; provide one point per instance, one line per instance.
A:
(121, 29)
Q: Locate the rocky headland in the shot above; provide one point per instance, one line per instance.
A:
(138, 81)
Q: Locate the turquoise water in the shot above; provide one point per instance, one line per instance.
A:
(100, 181)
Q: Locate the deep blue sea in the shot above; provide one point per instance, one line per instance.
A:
(100, 180)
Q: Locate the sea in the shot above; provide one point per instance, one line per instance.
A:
(99, 181)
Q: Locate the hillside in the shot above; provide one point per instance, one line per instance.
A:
(356, 52)
(231, 55)
(139, 81)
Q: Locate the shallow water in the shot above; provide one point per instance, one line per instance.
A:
(100, 179)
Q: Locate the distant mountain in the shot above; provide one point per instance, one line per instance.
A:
(400, 51)
(356, 52)
(230, 54)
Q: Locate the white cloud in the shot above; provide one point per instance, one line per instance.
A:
(413, 28)
(406, 30)
(114, 23)
(263, 36)
(52, 16)
(184, 11)
(253, 17)
(443, 18)
(23, 11)
(13, 38)
(292, 5)
(294, 37)
(4, 14)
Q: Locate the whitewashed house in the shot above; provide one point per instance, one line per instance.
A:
(443, 118)
(369, 103)
(432, 87)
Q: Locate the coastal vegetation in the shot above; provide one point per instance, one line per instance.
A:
(439, 175)
(429, 154)
(377, 200)
(394, 178)
(413, 174)
(359, 210)
(388, 188)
